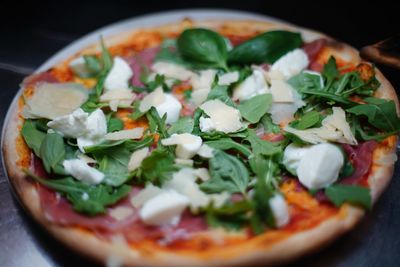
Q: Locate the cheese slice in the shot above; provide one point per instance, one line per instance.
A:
(137, 157)
(153, 99)
(171, 70)
(187, 145)
(225, 118)
(281, 91)
(135, 133)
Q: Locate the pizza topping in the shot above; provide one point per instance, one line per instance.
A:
(316, 166)
(238, 130)
(280, 210)
(52, 100)
(187, 145)
(291, 63)
(222, 117)
(118, 76)
(164, 208)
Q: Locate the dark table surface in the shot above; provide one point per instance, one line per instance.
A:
(30, 33)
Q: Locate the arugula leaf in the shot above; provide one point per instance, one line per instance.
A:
(306, 81)
(203, 47)
(52, 153)
(107, 64)
(256, 107)
(353, 194)
(308, 120)
(365, 132)
(187, 94)
(269, 126)
(228, 173)
(265, 48)
(221, 93)
(330, 71)
(114, 164)
(32, 136)
(183, 125)
(157, 124)
(114, 124)
(262, 147)
(92, 103)
(381, 115)
(87, 199)
(157, 168)
(128, 144)
(232, 216)
(228, 143)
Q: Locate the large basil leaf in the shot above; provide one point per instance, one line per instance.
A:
(87, 199)
(33, 137)
(204, 47)
(114, 164)
(228, 173)
(265, 48)
(52, 153)
(260, 146)
(353, 194)
(256, 107)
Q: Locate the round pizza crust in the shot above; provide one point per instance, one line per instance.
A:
(256, 251)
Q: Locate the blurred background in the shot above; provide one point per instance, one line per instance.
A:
(32, 31)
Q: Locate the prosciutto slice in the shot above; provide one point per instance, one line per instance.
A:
(312, 49)
(140, 62)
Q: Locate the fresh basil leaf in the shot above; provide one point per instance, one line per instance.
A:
(52, 152)
(308, 120)
(129, 144)
(32, 136)
(169, 53)
(87, 199)
(382, 115)
(306, 81)
(265, 48)
(221, 93)
(204, 47)
(107, 64)
(114, 164)
(256, 107)
(228, 173)
(183, 125)
(353, 194)
(227, 144)
(157, 168)
(114, 124)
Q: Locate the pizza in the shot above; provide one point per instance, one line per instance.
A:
(203, 143)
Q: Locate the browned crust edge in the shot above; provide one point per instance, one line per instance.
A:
(253, 252)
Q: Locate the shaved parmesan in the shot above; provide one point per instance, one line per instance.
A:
(187, 162)
(281, 91)
(153, 99)
(145, 194)
(228, 78)
(187, 145)
(135, 133)
(282, 113)
(199, 96)
(225, 118)
(334, 128)
(137, 157)
(120, 213)
(118, 97)
(203, 80)
(206, 151)
(171, 70)
(52, 100)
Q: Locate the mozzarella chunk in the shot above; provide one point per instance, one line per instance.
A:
(225, 118)
(280, 210)
(119, 75)
(72, 125)
(137, 157)
(171, 70)
(96, 129)
(52, 100)
(171, 106)
(206, 151)
(320, 166)
(83, 172)
(187, 145)
(292, 155)
(253, 85)
(291, 63)
(153, 99)
(163, 209)
(78, 66)
(135, 133)
(228, 78)
(334, 128)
